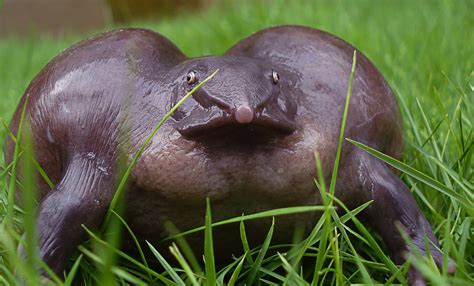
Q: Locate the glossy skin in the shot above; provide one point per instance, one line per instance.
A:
(245, 140)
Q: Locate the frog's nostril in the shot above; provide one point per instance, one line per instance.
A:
(244, 114)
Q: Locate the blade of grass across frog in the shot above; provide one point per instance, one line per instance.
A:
(166, 265)
(209, 248)
(335, 169)
(182, 261)
(128, 171)
(127, 257)
(328, 203)
(16, 151)
(270, 213)
(112, 235)
(134, 238)
(263, 251)
(469, 205)
(36, 164)
(29, 198)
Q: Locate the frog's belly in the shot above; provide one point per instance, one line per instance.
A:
(148, 212)
(173, 180)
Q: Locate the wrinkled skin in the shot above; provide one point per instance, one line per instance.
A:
(103, 96)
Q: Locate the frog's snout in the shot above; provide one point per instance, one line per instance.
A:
(241, 119)
(243, 114)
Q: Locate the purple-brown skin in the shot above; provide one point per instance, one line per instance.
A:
(246, 139)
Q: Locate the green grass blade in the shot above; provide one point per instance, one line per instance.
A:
(263, 251)
(166, 265)
(264, 214)
(29, 198)
(36, 164)
(209, 247)
(184, 246)
(118, 272)
(235, 275)
(12, 186)
(73, 271)
(368, 237)
(245, 243)
(125, 256)
(292, 274)
(325, 222)
(175, 251)
(328, 203)
(361, 266)
(134, 238)
(126, 276)
(340, 141)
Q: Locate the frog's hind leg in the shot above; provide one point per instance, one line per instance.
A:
(80, 198)
(393, 207)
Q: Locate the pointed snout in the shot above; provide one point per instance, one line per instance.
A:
(244, 114)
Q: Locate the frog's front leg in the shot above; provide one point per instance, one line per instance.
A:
(80, 198)
(394, 207)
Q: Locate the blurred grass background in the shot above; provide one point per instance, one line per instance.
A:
(425, 49)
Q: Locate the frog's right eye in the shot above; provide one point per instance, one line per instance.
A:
(275, 77)
(191, 77)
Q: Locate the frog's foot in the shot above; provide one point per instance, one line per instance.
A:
(393, 211)
(80, 198)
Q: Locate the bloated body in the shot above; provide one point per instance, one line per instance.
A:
(246, 139)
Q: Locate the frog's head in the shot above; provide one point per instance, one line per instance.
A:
(245, 94)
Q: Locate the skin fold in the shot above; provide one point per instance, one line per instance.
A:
(246, 139)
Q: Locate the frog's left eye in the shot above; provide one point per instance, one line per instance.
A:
(191, 77)
(275, 77)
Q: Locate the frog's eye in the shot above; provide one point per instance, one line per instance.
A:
(191, 77)
(275, 77)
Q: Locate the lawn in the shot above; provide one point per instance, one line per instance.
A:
(425, 49)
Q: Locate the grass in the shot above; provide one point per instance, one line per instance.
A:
(424, 49)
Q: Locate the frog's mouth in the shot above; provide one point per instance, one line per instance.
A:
(240, 123)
